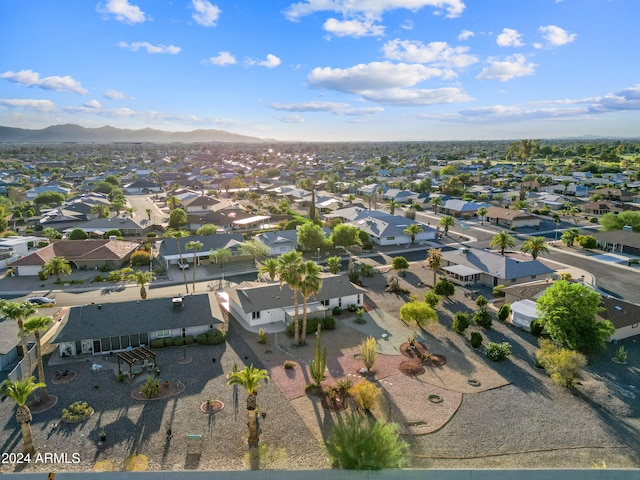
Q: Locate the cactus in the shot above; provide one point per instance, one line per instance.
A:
(317, 366)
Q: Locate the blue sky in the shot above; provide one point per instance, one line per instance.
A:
(325, 70)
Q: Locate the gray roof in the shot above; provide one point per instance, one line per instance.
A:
(463, 206)
(257, 296)
(505, 267)
(125, 318)
(621, 237)
(279, 238)
(169, 246)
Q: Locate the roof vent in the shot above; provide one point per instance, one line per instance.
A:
(177, 302)
(464, 250)
(618, 307)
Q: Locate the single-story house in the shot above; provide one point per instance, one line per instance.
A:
(259, 303)
(511, 218)
(143, 185)
(620, 241)
(81, 254)
(459, 208)
(470, 266)
(625, 317)
(169, 253)
(100, 226)
(115, 327)
(279, 242)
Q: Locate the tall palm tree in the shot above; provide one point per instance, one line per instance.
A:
(249, 378)
(141, 278)
(35, 325)
(173, 202)
(57, 266)
(178, 234)
(19, 391)
(413, 229)
(434, 261)
(289, 272)
(100, 210)
(18, 312)
(536, 246)
(194, 245)
(502, 240)
(310, 284)
(435, 202)
(482, 212)
(392, 204)
(270, 268)
(446, 222)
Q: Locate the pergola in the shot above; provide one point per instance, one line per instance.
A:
(131, 357)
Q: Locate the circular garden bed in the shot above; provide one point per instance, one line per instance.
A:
(412, 367)
(211, 406)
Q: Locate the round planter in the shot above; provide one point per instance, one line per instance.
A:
(473, 382)
(215, 408)
(434, 398)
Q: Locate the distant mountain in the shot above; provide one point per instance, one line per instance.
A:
(77, 134)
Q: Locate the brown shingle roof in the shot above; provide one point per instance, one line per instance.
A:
(84, 250)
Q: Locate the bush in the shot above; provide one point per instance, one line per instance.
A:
(504, 312)
(76, 411)
(483, 318)
(460, 322)
(168, 342)
(151, 387)
(289, 365)
(593, 220)
(344, 384)
(481, 301)
(328, 323)
(202, 339)
(262, 336)
(536, 328)
(564, 366)
(42, 276)
(337, 310)
(476, 339)
(216, 337)
(444, 288)
(189, 340)
(365, 394)
(151, 235)
(587, 241)
(157, 343)
(498, 351)
(367, 270)
(178, 341)
(352, 308)
(497, 291)
(140, 258)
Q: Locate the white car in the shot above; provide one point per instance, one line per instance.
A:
(183, 265)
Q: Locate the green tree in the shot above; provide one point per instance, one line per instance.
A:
(400, 264)
(207, 229)
(588, 241)
(444, 288)
(78, 234)
(149, 212)
(334, 264)
(361, 443)
(447, 222)
(20, 391)
(434, 261)
(392, 204)
(345, 235)
(270, 268)
(141, 278)
(535, 246)
(36, 325)
(173, 202)
(570, 236)
(221, 256)
(311, 237)
(290, 272)
(431, 299)
(51, 234)
(611, 221)
(436, 202)
(18, 312)
(412, 230)
(57, 266)
(564, 366)
(418, 312)
(254, 248)
(249, 378)
(568, 312)
(310, 285)
(194, 245)
(100, 210)
(482, 213)
(177, 218)
(49, 198)
(502, 240)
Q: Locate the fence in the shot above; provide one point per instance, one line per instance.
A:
(16, 373)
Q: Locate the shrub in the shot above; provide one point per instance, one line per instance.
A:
(367, 270)
(368, 352)
(344, 384)
(189, 340)
(216, 337)
(504, 312)
(151, 388)
(483, 318)
(476, 339)
(460, 322)
(587, 241)
(337, 310)
(498, 351)
(431, 299)
(536, 328)
(168, 342)
(360, 316)
(328, 323)
(262, 336)
(202, 339)
(444, 288)
(289, 365)
(136, 463)
(352, 308)
(563, 365)
(365, 394)
(178, 341)
(76, 411)
(113, 233)
(621, 355)
(593, 220)
(151, 235)
(140, 258)
(157, 343)
(497, 291)
(481, 301)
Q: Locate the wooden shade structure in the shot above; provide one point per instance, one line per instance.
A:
(133, 356)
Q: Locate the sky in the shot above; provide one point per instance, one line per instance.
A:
(325, 70)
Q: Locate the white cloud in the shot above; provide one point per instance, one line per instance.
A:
(205, 13)
(626, 99)
(153, 49)
(93, 104)
(555, 36)
(223, 58)
(359, 112)
(289, 118)
(372, 8)
(41, 106)
(371, 76)
(466, 35)
(115, 95)
(310, 106)
(507, 69)
(509, 38)
(417, 97)
(270, 62)
(436, 53)
(407, 25)
(353, 28)
(56, 83)
(122, 10)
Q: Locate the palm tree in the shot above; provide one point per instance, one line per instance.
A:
(502, 240)
(142, 277)
(100, 210)
(482, 212)
(435, 202)
(35, 325)
(57, 266)
(413, 229)
(221, 255)
(19, 391)
(270, 268)
(18, 312)
(149, 211)
(434, 261)
(178, 234)
(249, 378)
(334, 264)
(535, 246)
(173, 202)
(195, 246)
(570, 236)
(289, 272)
(254, 248)
(446, 222)
(310, 284)
(131, 211)
(392, 204)
(51, 234)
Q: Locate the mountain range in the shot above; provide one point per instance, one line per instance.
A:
(77, 134)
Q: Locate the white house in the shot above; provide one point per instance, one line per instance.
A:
(279, 242)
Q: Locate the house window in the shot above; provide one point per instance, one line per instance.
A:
(325, 302)
(390, 239)
(340, 302)
(255, 315)
(163, 333)
(184, 332)
(358, 299)
(533, 277)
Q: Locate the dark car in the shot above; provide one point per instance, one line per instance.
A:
(42, 300)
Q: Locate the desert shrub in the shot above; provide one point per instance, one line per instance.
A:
(337, 310)
(368, 352)
(189, 340)
(42, 275)
(168, 342)
(113, 233)
(460, 322)
(504, 312)
(151, 388)
(216, 337)
(366, 270)
(289, 365)
(536, 327)
(344, 384)
(365, 394)
(328, 323)
(497, 291)
(476, 339)
(202, 339)
(564, 366)
(262, 336)
(178, 341)
(593, 220)
(157, 343)
(587, 241)
(76, 411)
(444, 288)
(140, 258)
(136, 463)
(483, 318)
(431, 299)
(481, 301)
(498, 351)
(352, 307)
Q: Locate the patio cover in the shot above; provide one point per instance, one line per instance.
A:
(130, 357)
(462, 270)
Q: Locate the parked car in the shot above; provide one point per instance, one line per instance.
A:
(183, 265)
(42, 300)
